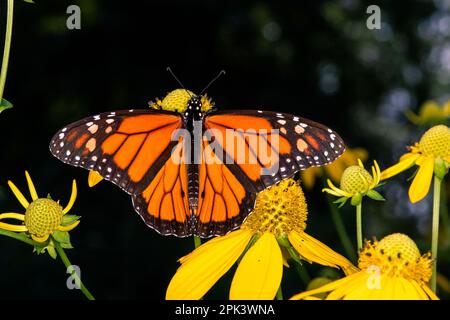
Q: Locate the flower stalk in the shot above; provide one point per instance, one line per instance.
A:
(342, 233)
(7, 47)
(67, 263)
(359, 226)
(435, 229)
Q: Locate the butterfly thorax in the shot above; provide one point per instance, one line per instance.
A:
(193, 117)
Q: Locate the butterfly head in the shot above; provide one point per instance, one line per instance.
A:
(181, 100)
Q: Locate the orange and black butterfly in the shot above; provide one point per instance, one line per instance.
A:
(212, 186)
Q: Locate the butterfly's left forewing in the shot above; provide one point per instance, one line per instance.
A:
(126, 147)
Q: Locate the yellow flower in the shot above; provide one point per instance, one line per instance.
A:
(335, 169)
(430, 113)
(177, 101)
(42, 217)
(279, 219)
(390, 269)
(431, 154)
(355, 183)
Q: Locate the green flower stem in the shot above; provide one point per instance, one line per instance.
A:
(67, 263)
(340, 228)
(197, 241)
(6, 49)
(279, 294)
(435, 230)
(19, 236)
(359, 226)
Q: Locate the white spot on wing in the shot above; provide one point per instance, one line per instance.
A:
(93, 129)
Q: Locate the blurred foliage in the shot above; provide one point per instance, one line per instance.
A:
(316, 59)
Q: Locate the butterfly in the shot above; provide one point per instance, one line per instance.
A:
(224, 158)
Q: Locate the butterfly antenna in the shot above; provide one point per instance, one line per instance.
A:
(179, 82)
(212, 81)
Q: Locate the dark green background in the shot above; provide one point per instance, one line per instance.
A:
(316, 59)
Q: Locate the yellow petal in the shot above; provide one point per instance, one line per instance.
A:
(409, 291)
(406, 161)
(201, 269)
(39, 239)
(12, 227)
(31, 187)
(338, 191)
(259, 273)
(73, 196)
(422, 181)
(23, 201)
(94, 178)
(429, 292)
(69, 227)
(330, 286)
(12, 215)
(315, 251)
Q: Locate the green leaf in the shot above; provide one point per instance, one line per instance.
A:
(29, 1)
(372, 194)
(61, 236)
(356, 199)
(69, 219)
(66, 245)
(341, 201)
(52, 252)
(5, 104)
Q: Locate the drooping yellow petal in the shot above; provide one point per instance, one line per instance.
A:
(12, 227)
(201, 269)
(429, 292)
(330, 286)
(23, 201)
(73, 196)
(338, 191)
(94, 178)
(407, 291)
(334, 193)
(422, 181)
(420, 291)
(315, 251)
(12, 215)
(69, 227)
(39, 239)
(406, 161)
(31, 187)
(357, 289)
(259, 273)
